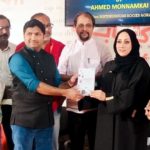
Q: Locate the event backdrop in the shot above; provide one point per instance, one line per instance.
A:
(110, 12)
(19, 11)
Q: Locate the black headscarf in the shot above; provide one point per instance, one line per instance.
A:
(125, 62)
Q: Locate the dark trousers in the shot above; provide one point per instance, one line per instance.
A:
(79, 126)
(6, 113)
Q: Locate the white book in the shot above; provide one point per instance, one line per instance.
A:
(86, 80)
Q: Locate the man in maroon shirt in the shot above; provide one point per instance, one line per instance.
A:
(53, 47)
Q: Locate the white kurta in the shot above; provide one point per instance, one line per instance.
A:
(75, 55)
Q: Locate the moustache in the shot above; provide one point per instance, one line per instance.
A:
(4, 35)
(83, 32)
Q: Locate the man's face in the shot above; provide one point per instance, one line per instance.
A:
(4, 30)
(84, 28)
(34, 38)
(48, 26)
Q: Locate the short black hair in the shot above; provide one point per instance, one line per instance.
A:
(33, 23)
(87, 14)
(4, 17)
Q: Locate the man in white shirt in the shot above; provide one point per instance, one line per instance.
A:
(83, 52)
(6, 50)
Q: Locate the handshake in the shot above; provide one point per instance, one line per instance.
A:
(72, 92)
(84, 84)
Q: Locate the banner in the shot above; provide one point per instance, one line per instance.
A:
(110, 12)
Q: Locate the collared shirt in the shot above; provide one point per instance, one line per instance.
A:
(90, 54)
(5, 74)
(25, 73)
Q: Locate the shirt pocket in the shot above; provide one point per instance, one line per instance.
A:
(93, 62)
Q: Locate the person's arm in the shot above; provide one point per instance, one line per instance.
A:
(116, 103)
(63, 63)
(65, 77)
(70, 93)
(2, 88)
(100, 95)
(69, 83)
(22, 70)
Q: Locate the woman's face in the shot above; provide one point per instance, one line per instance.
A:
(123, 44)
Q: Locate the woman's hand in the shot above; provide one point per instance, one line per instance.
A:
(147, 110)
(98, 94)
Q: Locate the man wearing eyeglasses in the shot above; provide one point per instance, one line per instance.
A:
(85, 52)
(53, 47)
(6, 50)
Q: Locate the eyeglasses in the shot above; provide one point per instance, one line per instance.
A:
(49, 25)
(6, 28)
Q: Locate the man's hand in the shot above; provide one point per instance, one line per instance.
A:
(73, 94)
(73, 80)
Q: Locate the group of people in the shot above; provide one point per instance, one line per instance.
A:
(41, 72)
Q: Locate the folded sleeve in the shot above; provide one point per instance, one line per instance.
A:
(23, 71)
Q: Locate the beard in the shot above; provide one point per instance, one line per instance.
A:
(84, 36)
(4, 38)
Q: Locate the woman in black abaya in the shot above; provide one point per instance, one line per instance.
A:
(123, 93)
